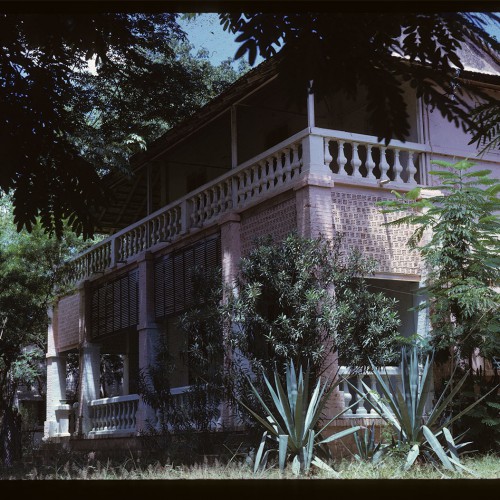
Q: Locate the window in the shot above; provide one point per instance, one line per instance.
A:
(173, 274)
(115, 305)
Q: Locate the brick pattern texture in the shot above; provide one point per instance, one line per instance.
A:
(359, 219)
(278, 220)
(68, 318)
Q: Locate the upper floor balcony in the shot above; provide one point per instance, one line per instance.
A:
(340, 157)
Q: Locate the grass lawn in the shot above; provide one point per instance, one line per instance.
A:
(485, 467)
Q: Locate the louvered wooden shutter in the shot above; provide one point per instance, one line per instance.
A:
(173, 275)
(115, 305)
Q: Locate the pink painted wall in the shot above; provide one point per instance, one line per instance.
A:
(448, 142)
(278, 219)
(355, 214)
(68, 318)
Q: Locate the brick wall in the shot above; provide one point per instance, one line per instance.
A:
(355, 215)
(278, 219)
(68, 319)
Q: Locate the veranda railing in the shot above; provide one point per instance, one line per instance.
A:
(347, 157)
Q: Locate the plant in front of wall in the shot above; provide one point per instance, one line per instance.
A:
(368, 449)
(420, 428)
(483, 421)
(292, 422)
(456, 225)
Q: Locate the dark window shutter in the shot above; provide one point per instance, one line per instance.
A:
(173, 275)
(115, 305)
(189, 263)
(178, 282)
(159, 284)
(133, 297)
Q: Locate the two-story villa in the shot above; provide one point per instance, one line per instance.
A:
(248, 164)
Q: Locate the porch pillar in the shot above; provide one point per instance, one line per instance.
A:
(313, 194)
(56, 378)
(125, 381)
(148, 332)
(230, 229)
(310, 106)
(90, 364)
(90, 380)
(234, 137)
(314, 208)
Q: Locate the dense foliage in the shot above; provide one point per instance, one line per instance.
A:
(62, 127)
(482, 423)
(28, 272)
(203, 328)
(304, 300)
(458, 229)
(127, 107)
(348, 51)
(294, 422)
(420, 426)
(294, 303)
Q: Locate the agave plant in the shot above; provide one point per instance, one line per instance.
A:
(293, 421)
(368, 449)
(404, 409)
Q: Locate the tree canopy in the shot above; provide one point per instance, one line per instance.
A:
(63, 127)
(30, 265)
(461, 254)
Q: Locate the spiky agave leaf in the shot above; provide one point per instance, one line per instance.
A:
(259, 455)
(412, 456)
(438, 449)
(404, 410)
(298, 415)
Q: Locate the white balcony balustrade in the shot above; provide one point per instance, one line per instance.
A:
(114, 416)
(362, 408)
(363, 158)
(348, 158)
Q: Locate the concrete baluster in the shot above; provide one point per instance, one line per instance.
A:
(347, 397)
(328, 156)
(287, 169)
(384, 166)
(295, 166)
(369, 164)
(279, 169)
(360, 410)
(355, 162)
(263, 176)
(397, 167)
(341, 159)
(411, 168)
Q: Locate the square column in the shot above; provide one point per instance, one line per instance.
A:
(314, 208)
(56, 379)
(313, 194)
(230, 229)
(148, 332)
(90, 365)
(90, 378)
